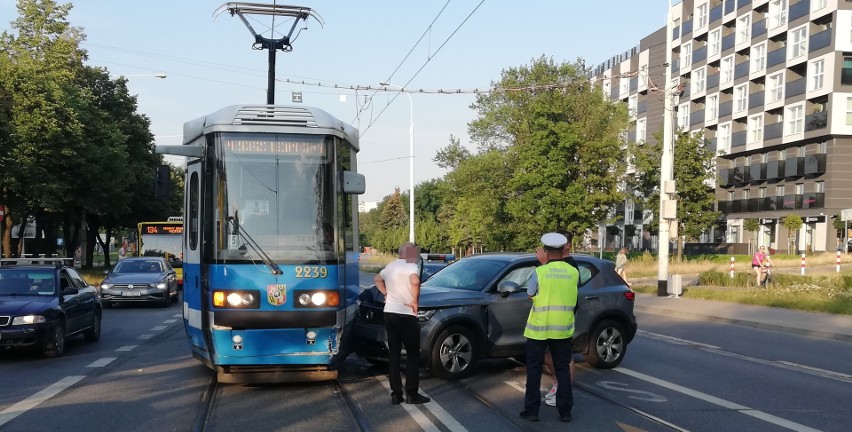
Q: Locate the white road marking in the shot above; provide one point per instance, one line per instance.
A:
(127, 348)
(101, 362)
(177, 315)
(818, 371)
(718, 401)
(145, 336)
(415, 413)
(170, 321)
(158, 328)
(674, 340)
(31, 402)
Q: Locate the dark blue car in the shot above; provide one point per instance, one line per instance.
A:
(41, 305)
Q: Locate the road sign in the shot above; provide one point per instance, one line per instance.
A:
(846, 214)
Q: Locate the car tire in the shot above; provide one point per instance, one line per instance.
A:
(453, 354)
(607, 345)
(55, 346)
(93, 334)
(106, 304)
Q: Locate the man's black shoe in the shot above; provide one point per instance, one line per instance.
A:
(396, 399)
(528, 416)
(566, 418)
(417, 399)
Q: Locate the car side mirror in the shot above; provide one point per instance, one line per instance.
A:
(507, 287)
(70, 291)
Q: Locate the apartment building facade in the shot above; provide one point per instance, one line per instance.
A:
(769, 84)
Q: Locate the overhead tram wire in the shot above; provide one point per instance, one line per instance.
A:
(373, 121)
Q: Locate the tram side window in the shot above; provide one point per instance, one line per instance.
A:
(193, 211)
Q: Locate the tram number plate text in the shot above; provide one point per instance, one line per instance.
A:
(311, 272)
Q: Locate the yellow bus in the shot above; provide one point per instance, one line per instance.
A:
(163, 239)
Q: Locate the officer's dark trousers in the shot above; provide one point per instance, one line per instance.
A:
(561, 350)
(403, 330)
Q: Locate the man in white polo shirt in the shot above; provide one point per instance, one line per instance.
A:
(399, 281)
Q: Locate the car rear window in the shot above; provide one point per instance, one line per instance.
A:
(26, 282)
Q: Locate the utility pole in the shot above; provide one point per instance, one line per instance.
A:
(271, 43)
(667, 205)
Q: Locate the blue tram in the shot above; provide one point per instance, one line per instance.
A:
(270, 241)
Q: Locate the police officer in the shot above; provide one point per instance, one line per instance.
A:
(551, 326)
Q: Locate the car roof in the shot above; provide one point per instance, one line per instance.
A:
(523, 256)
(30, 267)
(143, 258)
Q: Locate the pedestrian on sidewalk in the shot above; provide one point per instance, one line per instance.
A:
(621, 264)
(550, 325)
(399, 281)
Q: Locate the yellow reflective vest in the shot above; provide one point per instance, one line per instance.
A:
(552, 313)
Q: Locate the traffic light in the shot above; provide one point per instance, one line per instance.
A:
(161, 182)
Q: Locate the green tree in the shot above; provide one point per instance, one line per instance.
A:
(793, 223)
(562, 148)
(452, 155)
(751, 225)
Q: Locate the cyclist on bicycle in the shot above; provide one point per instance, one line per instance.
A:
(758, 261)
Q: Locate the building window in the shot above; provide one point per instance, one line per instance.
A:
(758, 57)
(744, 29)
(746, 194)
(779, 191)
(800, 188)
(849, 111)
(761, 192)
(715, 43)
(631, 105)
(822, 147)
(712, 108)
(686, 55)
(777, 13)
(755, 129)
(819, 187)
(818, 4)
(683, 116)
(701, 22)
(795, 119)
(731, 196)
(624, 84)
(740, 98)
(817, 73)
(723, 137)
(699, 80)
(846, 72)
(727, 69)
(776, 87)
(798, 42)
(640, 130)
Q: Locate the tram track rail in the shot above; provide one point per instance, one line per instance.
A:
(357, 414)
(205, 408)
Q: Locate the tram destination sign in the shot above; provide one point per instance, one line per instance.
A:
(162, 229)
(257, 146)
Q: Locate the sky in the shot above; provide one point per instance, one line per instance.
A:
(431, 45)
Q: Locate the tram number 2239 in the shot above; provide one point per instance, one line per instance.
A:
(311, 272)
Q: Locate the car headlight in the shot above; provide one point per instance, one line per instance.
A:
(106, 286)
(28, 319)
(425, 315)
(159, 285)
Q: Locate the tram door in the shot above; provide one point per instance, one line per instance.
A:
(192, 279)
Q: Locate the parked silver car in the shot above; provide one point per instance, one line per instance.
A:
(477, 308)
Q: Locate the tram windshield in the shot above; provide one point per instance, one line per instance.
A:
(275, 197)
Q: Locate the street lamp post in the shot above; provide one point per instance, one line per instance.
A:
(410, 162)
(154, 75)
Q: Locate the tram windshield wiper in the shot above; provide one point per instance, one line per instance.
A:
(255, 247)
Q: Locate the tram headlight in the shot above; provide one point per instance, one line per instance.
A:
(320, 298)
(239, 299)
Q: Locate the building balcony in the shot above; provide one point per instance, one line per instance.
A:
(726, 177)
(712, 82)
(729, 41)
(764, 204)
(696, 117)
(815, 164)
(730, 6)
(813, 200)
(686, 28)
(772, 131)
(799, 10)
(755, 99)
(724, 207)
(776, 203)
(751, 205)
(641, 107)
(819, 40)
(634, 84)
(742, 175)
(795, 88)
(775, 170)
(741, 69)
(758, 28)
(738, 139)
(675, 66)
(743, 3)
(716, 13)
(757, 172)
(675, 32)
(816, 121)
(699, 55)
(792, 202)
(726, 108)
(794, 167)
(776, 57)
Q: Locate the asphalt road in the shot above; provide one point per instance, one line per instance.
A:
(679, 374)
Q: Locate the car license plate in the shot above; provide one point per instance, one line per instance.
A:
(131, 293)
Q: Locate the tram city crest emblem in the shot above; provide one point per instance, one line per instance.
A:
(276, 294)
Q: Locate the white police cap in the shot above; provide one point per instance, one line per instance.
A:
(554, 240)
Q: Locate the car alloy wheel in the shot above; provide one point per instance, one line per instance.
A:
(453, 353)
(55, 347)
(94, 333)
(609, 345)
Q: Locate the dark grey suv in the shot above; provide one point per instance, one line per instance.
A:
(477, 308)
